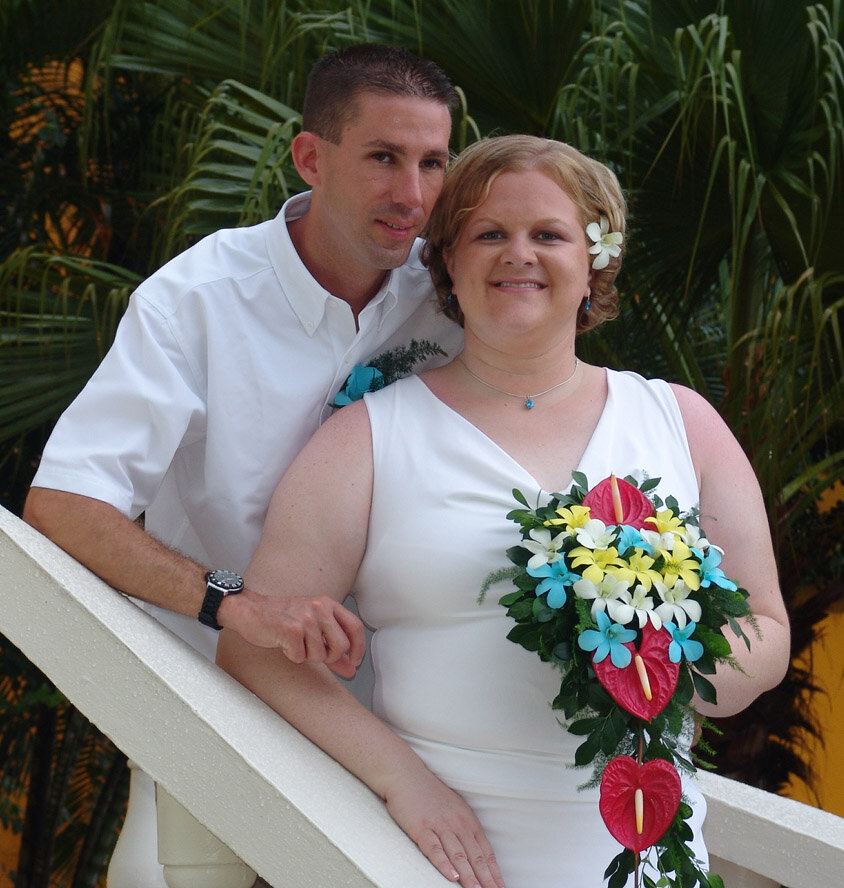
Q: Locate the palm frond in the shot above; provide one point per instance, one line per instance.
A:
(512, 57)
(238, 170)
(58, 315)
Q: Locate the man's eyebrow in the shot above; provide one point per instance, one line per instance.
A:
(395, 148)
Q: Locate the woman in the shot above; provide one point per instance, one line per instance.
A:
(403, 500)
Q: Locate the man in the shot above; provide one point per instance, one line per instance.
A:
(229, 357)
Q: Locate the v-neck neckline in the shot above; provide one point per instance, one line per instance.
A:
(508, 456)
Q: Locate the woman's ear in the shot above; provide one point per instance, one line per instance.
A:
(449, 263)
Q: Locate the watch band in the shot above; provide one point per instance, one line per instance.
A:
(218, 584)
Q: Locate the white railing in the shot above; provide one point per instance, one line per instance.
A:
(300, 819)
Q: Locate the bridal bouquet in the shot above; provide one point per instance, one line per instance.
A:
(625, 594)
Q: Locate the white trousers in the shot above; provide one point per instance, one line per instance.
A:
(134, 863)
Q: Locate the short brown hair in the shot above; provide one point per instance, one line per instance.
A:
(592, 186)
(339, 77)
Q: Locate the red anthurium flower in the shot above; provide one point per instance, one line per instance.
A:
(615, 501)
(627, 687)
(639, 824)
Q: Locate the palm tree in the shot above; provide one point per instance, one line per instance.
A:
(723, 119)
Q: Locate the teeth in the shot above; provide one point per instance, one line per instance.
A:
(520, 285)
(396, 227)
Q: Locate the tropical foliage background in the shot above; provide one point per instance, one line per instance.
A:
(129, 129)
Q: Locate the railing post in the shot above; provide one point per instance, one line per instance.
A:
(193, 857)
(134, 861)
(735, 876)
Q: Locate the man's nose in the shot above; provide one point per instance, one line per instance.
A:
(407, 188)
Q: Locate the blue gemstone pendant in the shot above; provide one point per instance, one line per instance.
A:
(529, 403)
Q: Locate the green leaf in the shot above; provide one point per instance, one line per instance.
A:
(705, 689)
(518, 555)
(525, 635)
(650, 484)
(736, 627)
(619, 869)
(685, 689)
(562, 652)
(524, 582)
(541, 612)
(714, 642)
(519, 497)
(522, 610)
(510, 598)
(587, 750)
(584, 726)
(609, 737)
(580, 480)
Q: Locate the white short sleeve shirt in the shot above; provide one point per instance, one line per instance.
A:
(223, 366)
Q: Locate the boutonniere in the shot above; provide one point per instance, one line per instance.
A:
(384, 369)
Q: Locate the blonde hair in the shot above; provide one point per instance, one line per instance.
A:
(592, 186)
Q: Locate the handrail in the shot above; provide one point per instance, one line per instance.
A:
(284, 807)
(805, 850)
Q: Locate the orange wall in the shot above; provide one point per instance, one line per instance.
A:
(827, 755)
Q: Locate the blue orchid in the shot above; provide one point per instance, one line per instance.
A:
(361, 380)
(630, 538)
(608, 638)
(682, 643)
(710, 572)
(557, 577)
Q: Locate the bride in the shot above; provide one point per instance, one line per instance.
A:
(402, 499)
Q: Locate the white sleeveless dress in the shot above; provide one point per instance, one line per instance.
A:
(473, 705)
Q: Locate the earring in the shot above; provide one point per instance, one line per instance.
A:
(451, 302)
(587, 302)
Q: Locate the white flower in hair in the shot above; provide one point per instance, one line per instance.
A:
(607, 244)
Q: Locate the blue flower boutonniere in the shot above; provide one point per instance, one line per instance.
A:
(361, 380)
(384, 369)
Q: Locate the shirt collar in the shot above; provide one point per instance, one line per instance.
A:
(307, 298)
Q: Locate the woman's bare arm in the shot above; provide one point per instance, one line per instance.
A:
(733, 516)
(313, 540)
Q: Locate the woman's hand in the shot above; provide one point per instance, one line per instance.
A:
(445, 829)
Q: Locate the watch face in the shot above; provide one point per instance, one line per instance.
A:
(226, 579)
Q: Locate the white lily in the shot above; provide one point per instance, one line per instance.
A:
(676, 604)
(594, 534)
(545, 548)
(693, 538)
(658, 540)
(607, 244)
(606, 596)
(642, 606)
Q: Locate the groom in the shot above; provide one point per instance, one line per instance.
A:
(228, 358)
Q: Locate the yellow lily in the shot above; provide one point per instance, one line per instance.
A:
(598, 561)
(667, 522)
(571, 517)
(680, 563)
(638, 569)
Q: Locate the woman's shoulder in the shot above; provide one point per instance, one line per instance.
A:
(346, 427)
(692, 405)
(712, 443)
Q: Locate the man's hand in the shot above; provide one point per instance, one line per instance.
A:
(307, 630)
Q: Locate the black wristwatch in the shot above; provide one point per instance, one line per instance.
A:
(218, 584)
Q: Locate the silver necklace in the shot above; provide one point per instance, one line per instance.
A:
(529, 400)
